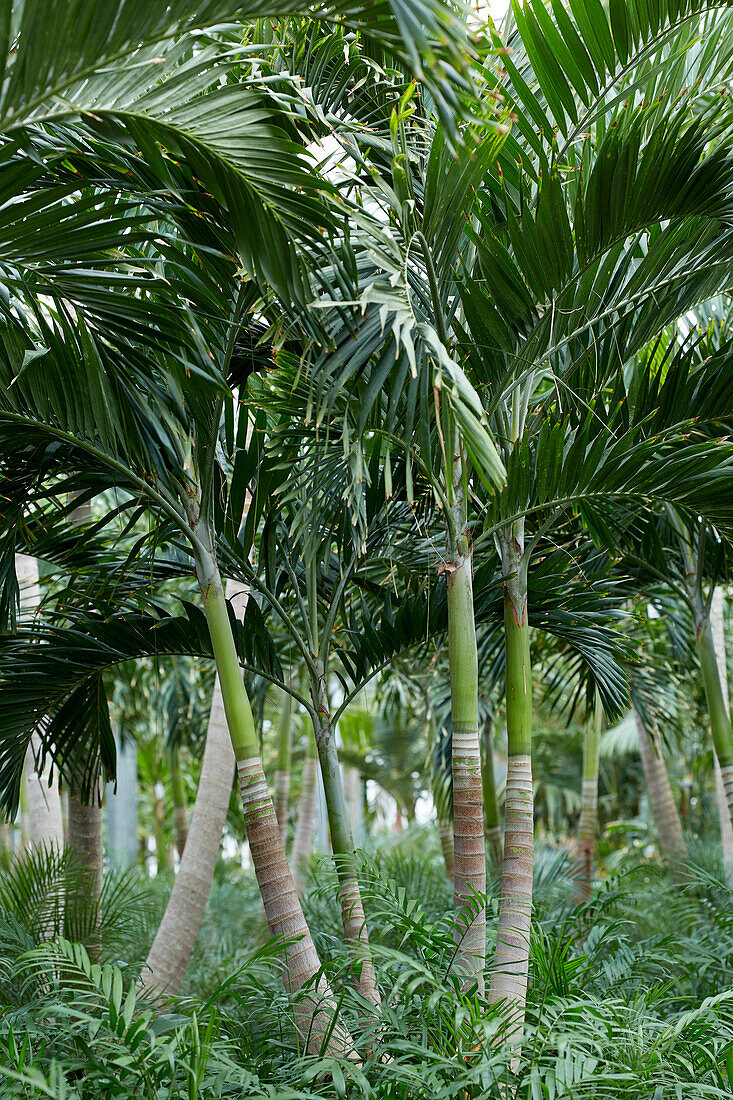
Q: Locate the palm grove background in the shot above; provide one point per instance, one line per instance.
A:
(365, 436)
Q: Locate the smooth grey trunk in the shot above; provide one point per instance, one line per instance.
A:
(179, 928)
(664, 808)
(354, 801)
(45, 823)
(86, 840)
(121, 808)
(85, 832)
(42, 802)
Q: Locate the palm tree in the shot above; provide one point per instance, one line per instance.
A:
(120, 459)
(112, 437)
(557, 295)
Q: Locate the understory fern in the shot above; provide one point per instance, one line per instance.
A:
(630, 997)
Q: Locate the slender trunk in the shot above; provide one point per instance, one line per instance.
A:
(586, 839)
(316, 1008)
(445, 832)
(180, 809)
(85, 835)
(44, 822)
(469, 860)
(120, 803)
(492, 820)
(86, 840)
(303, 843)
(664, 808)
(355, 803)
(511, 960)
(352, 907)
(726, 826)
(717, 706)
(282, 775)
(179, 928)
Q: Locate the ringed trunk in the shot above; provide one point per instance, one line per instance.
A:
(511, 958)
(492, 820)
(469, 859)
(315, 1007)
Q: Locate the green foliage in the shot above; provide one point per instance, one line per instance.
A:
(625, 999)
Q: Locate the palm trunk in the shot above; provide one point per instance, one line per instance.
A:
(511, 959)
(726, 826)
(354, 803)
(85, 835)
(86, 840)
(316, 1008)
(469, 866)
(303, 843)
(282, 775)
(44, 822)
(120, 804)
(492, 820)
(179, 928)
(664, 808)
(717, 707)
(586, 840)
(342, 843)
(180, 809)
